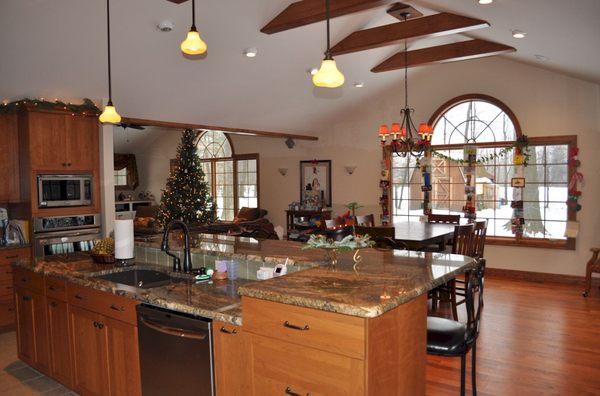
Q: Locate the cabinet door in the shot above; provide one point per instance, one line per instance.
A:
(90, 373)
(123, 355)
(82, 134)
(233, 373)
(32, 333)
(47, 141)
(9, 160)
(58, 335)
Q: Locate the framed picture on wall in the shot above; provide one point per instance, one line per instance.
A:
(315, 184)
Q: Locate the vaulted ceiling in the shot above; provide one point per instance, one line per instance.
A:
(57, 48)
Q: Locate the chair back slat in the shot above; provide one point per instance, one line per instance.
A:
(443, 219)
(474, 302)
(462, 242)
(479, 233)
(366, 221)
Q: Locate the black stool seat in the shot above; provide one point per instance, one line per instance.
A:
(446, 337)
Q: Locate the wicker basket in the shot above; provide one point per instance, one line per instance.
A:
(104, 258)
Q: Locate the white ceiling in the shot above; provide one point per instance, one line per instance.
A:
(57, 48)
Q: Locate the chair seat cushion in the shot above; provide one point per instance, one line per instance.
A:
(445, 336)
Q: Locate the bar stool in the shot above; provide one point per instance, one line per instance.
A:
(451, 338)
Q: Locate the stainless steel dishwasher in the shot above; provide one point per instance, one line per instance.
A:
(176, 355)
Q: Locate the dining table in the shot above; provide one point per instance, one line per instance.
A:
(418, 235)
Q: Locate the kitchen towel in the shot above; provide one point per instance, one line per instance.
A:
(124, 239)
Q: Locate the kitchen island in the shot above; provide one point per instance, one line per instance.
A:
(317, 330)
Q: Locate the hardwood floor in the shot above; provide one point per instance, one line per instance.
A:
(536, 339)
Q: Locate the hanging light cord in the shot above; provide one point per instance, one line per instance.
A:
(328, 52)
(193, 15)
(108, 35)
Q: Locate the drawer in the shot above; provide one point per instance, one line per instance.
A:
(6, 289)
(28, 280)
(6, 273)
(305, 326)
(56, 288)
(7, 311)
(283, 368)
(104, 303)
(8, 256)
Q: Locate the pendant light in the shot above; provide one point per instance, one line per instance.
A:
(109, 115)
(328, 75)
(193, 44)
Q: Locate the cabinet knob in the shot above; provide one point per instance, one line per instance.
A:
(115, 308)
(68, 164)
(51, 288)
(26, 298)
(79, 297)
(100, 325)
(53, 304)
(290, 392)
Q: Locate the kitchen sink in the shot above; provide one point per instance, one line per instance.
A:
(142, 278)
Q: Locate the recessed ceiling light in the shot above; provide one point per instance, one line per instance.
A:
(486, 1)
(518, 34)
(165, 26)
(312, 71)
(250, 52)
(542, 58)
(359, 84)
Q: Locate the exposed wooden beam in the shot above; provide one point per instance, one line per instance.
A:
(428, 26)
(234, 131)
(397, 9)
(305, 12)
(463, 50)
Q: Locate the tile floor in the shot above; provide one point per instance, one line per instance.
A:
(18, 379)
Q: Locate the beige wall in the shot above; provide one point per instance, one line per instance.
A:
(545, 103)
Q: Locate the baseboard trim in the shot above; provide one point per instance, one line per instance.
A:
(529, 276)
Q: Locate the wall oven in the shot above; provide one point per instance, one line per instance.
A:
(64, 190)
(65, 234)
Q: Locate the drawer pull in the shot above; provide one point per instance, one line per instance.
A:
(26, 298)
(295, 327)
(11, 257)
(51, 288)
(115, 308)
(224, 330)
(79, 297)
(100, 325)
(53, 304)
(290, 392)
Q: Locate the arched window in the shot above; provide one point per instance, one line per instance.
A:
(233, 179)
(490, 125)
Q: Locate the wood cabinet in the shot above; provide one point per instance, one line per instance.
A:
(47, 141)
(7, 301)
(233, 373)
(58, 338)
(123, 355)
(9, 160)
(32, 335)
(82, 146)
(298, 351)
(89, 352)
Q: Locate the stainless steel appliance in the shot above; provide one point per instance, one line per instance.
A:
(65, 234)
(64, 190)
(176, 353)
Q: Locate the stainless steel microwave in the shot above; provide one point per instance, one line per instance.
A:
(64, 190)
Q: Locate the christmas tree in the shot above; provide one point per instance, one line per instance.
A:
(186, 196)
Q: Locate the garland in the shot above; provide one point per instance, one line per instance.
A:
(87, 107)
(522, 145)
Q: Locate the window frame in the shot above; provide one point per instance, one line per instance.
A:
(234, 158)
(569, 140)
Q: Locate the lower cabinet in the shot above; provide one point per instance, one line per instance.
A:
(105, 354)
(32, 336)
(58, 338)
(233, 373)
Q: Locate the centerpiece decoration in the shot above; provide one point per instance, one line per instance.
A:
(333, 248)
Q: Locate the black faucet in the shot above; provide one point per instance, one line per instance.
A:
(187, 257)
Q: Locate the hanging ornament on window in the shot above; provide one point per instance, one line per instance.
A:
(518, 185)
(470, 172)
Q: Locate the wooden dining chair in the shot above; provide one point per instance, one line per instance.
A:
(593, 265)
(451, 338)
(443, 219)
(382, 236)
(366, 221)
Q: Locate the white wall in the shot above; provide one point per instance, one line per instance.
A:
(545, 103)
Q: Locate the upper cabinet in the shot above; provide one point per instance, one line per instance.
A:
(9, 160)
(62, 143)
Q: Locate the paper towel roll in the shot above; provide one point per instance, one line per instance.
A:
(124, 239)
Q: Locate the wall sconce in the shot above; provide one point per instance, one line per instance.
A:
(283, 171)
(350, 169)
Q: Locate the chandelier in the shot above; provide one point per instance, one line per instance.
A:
(406, 138)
